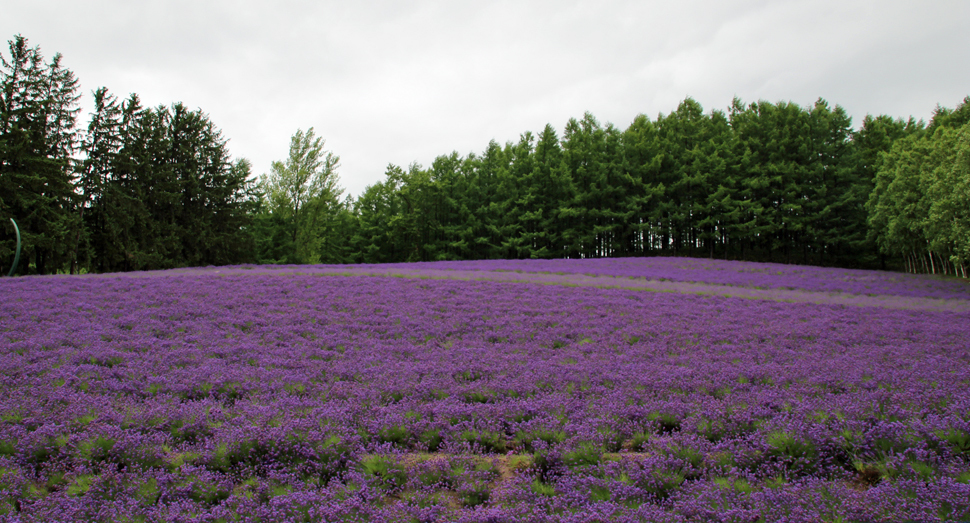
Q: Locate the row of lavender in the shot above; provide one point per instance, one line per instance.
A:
(735, 273)
(282, 398)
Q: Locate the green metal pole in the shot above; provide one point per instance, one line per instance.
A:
(16, 258)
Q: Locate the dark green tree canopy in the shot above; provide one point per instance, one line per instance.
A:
(149, 188)
(135, 189)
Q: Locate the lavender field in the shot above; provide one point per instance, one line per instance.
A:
(333, 394)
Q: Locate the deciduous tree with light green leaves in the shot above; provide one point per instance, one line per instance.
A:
(920, 206)
(303, 192)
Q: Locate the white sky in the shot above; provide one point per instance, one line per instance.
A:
(401, 82)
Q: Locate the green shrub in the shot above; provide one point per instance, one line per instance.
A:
(921, 470)
(390, 474)
(96, 449)
(600, 493)
(723, 460)
(612, 439)
(185, 431)
(80, 485)
(175, 461)
(226, 457)
(397, 434)
(738, 485)
(148, 492)
(201, 491)
(431, 476)
(332, 458)
(639, 440)
(689, 455)
(666, 422)
(959, 440)
(543, 489)
(474, 494)
(477, 397)
(785, 444)
(663, 483)
(488, 441)
(545, 462)
(431, 440)
(47, 449)
(527, 439)
(586, 455)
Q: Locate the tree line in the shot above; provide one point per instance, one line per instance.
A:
(919, 209)
(152, 188)
(763, 182)
(138, 188)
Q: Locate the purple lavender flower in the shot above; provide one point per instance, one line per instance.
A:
(448, 392)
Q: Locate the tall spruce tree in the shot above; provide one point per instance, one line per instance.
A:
(836, 225)
(642, 160)
(380, 215)
(448, 187)
(100, 145)
(554, 189)
(38, 140)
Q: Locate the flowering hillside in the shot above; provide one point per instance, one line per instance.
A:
(267, 395)
(732, 273)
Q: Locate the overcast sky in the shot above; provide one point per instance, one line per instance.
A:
(401, 82)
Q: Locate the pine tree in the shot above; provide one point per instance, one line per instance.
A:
(100, 145)
(555, 192)
(38, 139)
(642, 160)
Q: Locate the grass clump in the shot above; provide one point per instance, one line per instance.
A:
(388, 473)
(542, 489)
(666, 422)
(787, 445)
(474, 493)
(80, 485)
(487, 441)
(585, 455)
(397, 434)
(527, 440)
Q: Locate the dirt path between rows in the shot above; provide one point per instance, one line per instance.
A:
(607, 282)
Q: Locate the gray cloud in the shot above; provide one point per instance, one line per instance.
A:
(397, 82)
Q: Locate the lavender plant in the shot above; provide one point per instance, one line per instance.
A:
(231, 395)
